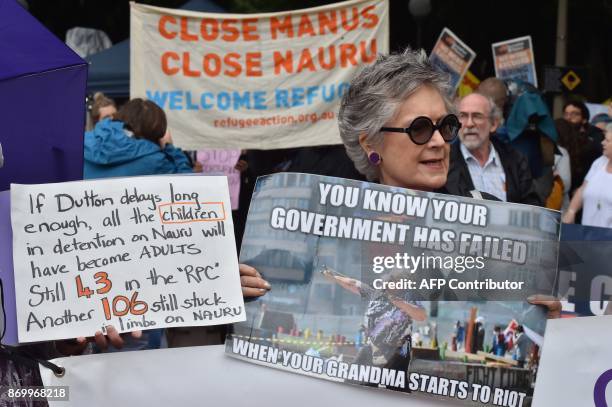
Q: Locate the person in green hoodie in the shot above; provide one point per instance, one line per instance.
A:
(136, 142)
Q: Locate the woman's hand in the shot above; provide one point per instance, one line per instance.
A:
(112, 338)
(551, 303)
(167, 139)
(569, 216)
(253, 285)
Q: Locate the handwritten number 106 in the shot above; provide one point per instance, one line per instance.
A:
(120, 304)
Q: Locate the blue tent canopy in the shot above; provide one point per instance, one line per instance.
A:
(109, 70)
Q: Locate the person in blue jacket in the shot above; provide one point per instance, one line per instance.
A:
(136, 142)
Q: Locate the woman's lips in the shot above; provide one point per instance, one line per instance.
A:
(433, 164)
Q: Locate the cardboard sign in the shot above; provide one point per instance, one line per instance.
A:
(452, 55)
(576, 365)
(260, 81)
(392, 288)
(513, 59)
(136, 253)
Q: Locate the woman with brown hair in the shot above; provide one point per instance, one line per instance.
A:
(136, 142)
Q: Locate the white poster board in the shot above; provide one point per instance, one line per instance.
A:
(204, 375)
(576, 364)
(136, 253)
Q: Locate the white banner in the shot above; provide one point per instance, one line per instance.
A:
(136, 253)
(203, 375)
(576, 364)
(258, 81)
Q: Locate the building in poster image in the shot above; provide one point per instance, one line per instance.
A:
(319, 241)
(452, 56)
(514, 59)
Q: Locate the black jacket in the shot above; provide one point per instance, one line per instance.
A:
(519, 183)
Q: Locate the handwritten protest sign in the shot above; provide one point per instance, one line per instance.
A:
(513, 59)
(253, 81)
(452, 55)
(393, 288)
(223, 162)
(135, 253)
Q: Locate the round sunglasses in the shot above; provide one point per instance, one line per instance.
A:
(421, 129)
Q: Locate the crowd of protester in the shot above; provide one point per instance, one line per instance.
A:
(499, 143)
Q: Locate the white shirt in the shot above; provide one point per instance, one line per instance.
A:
(597, 195)
(489, 178)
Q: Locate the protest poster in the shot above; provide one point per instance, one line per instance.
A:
(585, 274)
(391, 288)
(261, 81)
(8, 321)
(223, 162)
(513, 59)
(199, 382)
(136, 253)
(576, 365)
(451, 55)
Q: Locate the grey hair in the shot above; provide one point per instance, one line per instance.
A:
(495, 113)
(375, 95)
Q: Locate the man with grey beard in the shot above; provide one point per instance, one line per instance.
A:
(480, 162)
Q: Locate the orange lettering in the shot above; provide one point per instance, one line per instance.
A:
(355, 22)
(347, 54)
(231, 33)
(364, 56)
(185, 36)
(372, 17)
(214, 29)
(285, 26)
(306, 61)
(231, 60)
(305, 26)
(209, 59)
(249, 26)
(285, 62)
(328, 22)
(164, 63)
(253, 64)
(332, 58)
(161, 26)
(187, 71)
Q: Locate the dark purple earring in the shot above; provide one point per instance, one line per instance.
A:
(374, 158)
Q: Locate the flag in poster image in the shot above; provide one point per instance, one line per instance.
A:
(137, 253)
(398, 289)
(262, 81)
(452, 56)
(514, 59)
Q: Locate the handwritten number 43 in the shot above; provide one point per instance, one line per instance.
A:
(120, 306)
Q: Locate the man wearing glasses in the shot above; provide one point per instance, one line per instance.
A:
(483, 163)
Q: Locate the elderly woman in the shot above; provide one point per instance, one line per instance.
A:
(594, 196)
(396, 122)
